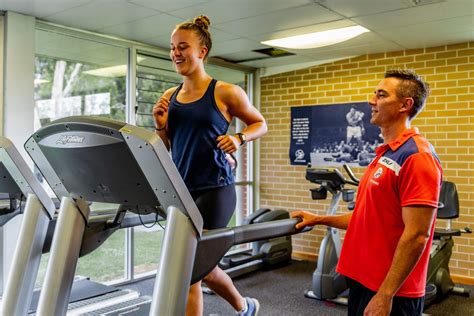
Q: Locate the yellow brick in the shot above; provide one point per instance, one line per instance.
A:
(406, 59)
(325, 75)
(358, 71)
(358, 98)
(415, 65)
(359, 84)
(342, 86)
(384, 62)
(302, 71)
(466, 67)
(458, 75)
(333, 67)
(438, 77)
(435, 49)
(344, 73)
(446, 84)
(281, 79)
(445, 69)
(376, 56)
(395, 54)
(466, 52)
(414, 51)
(294, 90)
(446, 98)
(358, 58)
(458, 90)
(333, 80)
(333, 93)
(458, 46)
(436, 63)
(349, 66)
(424, 57)
(349, 91)
(366, 77)
(449, 54)
(288, 85)
(457, 61)
(447, 113)
(467, 97)
(310, 77)
(325, 87)
(367, 64)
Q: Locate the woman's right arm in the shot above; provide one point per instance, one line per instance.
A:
(160, 116)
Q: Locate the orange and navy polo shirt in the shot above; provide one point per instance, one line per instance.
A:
(405, 172)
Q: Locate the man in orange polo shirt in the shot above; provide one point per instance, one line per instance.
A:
(385, 252)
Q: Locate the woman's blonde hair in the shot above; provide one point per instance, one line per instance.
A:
(200, 26)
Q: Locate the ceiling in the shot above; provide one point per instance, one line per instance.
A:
(238, 26)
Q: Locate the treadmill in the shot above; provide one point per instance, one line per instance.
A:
(94, 159)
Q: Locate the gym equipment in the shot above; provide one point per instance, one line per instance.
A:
(263, 253)
(18, 180)
(327, 284)
(97, 159)
(439, 282)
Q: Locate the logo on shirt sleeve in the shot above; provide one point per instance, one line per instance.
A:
(390, 164)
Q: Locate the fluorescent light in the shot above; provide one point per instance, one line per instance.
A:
(318, 39)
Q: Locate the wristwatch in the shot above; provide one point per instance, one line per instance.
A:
(242, 138)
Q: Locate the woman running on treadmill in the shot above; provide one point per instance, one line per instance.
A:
(192, 120)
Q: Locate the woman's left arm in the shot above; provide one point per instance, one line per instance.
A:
(236, 103)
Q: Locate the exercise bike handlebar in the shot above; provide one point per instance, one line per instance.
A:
(354, 180)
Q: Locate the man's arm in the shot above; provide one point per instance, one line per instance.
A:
(418, 221)
(310, 219)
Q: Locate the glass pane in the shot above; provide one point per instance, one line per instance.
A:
(76, 76)
(147, 243)
(155, 75)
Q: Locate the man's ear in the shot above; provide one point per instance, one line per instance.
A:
(407, 105)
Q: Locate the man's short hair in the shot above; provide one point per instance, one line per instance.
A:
(411, 85)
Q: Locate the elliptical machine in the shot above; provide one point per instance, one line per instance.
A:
(327, 284)
(263, 254)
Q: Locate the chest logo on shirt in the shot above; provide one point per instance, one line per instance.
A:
(378, 173)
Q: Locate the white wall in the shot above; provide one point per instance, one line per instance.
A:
(18, 106)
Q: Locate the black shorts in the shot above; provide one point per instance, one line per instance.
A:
(360, 296)
(216, 205)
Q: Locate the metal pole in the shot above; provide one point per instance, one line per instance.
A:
(176, 265)
(63, 258)
(26, 259)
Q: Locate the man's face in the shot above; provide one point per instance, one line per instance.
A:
(385, 103)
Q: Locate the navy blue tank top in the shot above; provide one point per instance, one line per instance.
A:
(193, 129)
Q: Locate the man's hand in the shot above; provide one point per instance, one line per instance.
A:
(308, 219)
(379, 305)
(228, 143)
(160, 112)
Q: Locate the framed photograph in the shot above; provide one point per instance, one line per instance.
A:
(333, 135)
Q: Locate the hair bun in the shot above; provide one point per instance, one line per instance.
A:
(202, 21)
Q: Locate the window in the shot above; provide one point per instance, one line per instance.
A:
(76, 76)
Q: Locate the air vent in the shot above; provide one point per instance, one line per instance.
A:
(273, 52)
(417, 3)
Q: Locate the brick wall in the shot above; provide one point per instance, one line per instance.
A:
(447, 122)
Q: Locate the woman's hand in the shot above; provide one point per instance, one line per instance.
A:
(228, 143)
(160, 112)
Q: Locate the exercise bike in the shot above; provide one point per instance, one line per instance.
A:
(327, 284)
(439, 283)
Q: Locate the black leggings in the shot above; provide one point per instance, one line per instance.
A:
(360, 296)
(216, 205)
